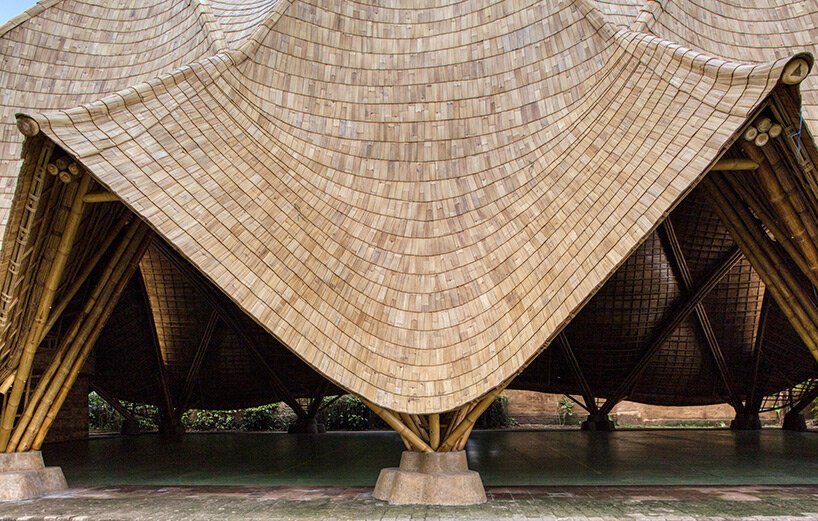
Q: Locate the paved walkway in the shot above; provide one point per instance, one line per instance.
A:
(515, 503)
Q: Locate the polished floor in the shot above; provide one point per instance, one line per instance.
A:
(503, 458)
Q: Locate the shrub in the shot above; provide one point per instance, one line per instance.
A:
(101, 416)
(347, 413)
(204, 420)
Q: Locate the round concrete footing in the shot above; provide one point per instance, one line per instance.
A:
(23, 476)
(433, 478)
(746, 422)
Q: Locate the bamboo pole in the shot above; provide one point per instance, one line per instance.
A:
(434, 431)
(733, 165)
(37, 410)
(86, 272)
(97, 323)
(467, 424)
(52, 372)
(100, 197)
(754, 202)
(776, 277)
(765, 253)
(782, 201)
(409, 422)
(393, 421)
(43, 308)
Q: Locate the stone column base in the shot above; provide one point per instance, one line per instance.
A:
(430, 478)
(746, 422)
(23, 475)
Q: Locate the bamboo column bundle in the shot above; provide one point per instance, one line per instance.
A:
(56, 372)
(465, 426)
(43, 308)
(799, 223)
(410, 423)
(770, 266)
(756, 205)
(84, 274)
(95, 324)
(405, 432)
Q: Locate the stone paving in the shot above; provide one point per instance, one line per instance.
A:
(505, 503)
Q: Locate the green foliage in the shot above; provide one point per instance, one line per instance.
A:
(566, 411)
(347, 413)
(204, 420)
(102, 417)
(496, 416)
(271, 417)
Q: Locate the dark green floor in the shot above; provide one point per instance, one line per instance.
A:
(503, 458)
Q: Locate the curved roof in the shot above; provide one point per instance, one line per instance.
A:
(415, 198)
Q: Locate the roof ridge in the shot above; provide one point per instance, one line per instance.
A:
(211, 25)
(252, 43)
(648, 14)
(27, 15)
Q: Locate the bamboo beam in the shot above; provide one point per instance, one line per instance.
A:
(672, 320)
(98, 322)
(100, 197)
(196, 364)
(733, 165)
(755, 203)
(434, 431)
(413, 439)
(573, 364)
(805, 400)
(679, 263)
(43, 308)
(84, 326)
(52, 372)
(766, 258)
(18, 255)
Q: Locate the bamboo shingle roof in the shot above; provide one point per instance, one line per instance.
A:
(414, 198)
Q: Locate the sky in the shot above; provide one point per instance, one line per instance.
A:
(11, 8)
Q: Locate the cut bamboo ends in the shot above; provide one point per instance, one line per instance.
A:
(28, 126)
(795, 71)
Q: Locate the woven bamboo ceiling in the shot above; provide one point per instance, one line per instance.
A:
(413, 197)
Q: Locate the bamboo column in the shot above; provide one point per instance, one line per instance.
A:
(96, 324)
(789, 207)
(43, 309)
(56, 372)
(766, 259)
